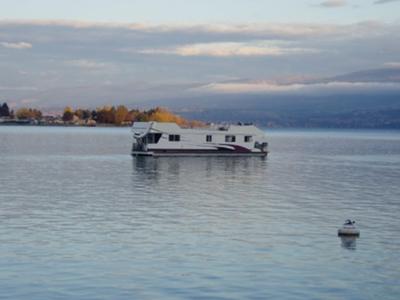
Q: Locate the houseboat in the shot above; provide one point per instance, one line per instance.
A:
(169, 139)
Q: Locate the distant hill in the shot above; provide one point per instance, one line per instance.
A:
(355, 111)
(375, 75)
(365, 99)
(361, 107)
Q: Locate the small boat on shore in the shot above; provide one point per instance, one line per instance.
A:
(348, 229)
(169, 139)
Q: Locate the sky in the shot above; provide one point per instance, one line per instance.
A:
(203, 11)
(89, 53)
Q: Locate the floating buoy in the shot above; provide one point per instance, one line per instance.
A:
(348, 229)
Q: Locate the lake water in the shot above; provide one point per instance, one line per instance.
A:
(81, 219)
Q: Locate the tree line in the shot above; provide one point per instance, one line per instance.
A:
(116, 115)
(121, 115)
(22, 114)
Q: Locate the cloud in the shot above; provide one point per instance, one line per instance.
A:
(248, 87)
(18, 88)
(85, 64)
(19, 45)
(78, 57)
(384, 79)
(384, 1)
(258, 48)
(28, 101)
(392, 64)
(265, 87)
(333, 3)
(247, 30)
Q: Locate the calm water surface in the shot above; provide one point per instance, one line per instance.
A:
(81, 219)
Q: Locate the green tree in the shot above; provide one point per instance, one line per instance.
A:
(86, 114)
(106, 115)
(4, 110)
(93, 115)
(82, 114)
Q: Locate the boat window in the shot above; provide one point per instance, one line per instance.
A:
(209, 138)
(174, 138)
(248, 139)
(230, 138)
(153, 138)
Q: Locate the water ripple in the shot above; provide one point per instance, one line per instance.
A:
(81, 219)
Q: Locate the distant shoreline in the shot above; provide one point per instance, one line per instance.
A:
(265, 127)
(60, 125)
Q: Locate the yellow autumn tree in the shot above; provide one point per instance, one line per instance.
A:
(28, 113)
(160, 114)
(23, 113)
(120, 114)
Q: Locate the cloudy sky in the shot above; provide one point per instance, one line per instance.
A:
(54, 53)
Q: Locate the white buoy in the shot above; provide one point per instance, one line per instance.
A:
(348, 229)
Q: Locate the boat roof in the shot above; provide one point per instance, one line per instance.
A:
(212, 128)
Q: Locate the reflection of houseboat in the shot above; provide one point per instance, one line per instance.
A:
(169, 139)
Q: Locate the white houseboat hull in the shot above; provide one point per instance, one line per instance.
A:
(168, 139)
(197, 154)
